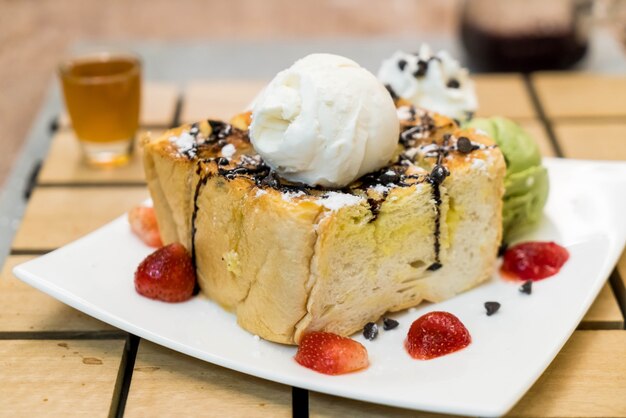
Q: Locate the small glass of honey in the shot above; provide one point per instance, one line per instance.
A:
(102, 95)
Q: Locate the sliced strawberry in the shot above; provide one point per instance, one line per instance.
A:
(436, 334)
(331, 354)
(143, 223)
(167, 274)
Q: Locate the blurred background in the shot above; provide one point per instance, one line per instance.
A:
(35, 35)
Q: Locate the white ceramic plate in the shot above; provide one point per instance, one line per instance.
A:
(510, 350)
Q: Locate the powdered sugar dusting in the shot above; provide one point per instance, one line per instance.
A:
(228, 151)
(336, 201)
(411, 152)
(429, 149)
(379, 188)
(404, 113)
(185, 143)
(479, 164)
(288, 196)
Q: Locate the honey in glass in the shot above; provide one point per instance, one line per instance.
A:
(102, 95)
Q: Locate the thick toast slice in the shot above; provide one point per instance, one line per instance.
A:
(288, 258)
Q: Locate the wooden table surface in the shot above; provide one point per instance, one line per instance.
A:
(56, 361)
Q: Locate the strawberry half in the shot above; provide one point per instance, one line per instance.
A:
(143, 223)
(167, 274)
(331, 354)
(534, 260)
(436, 334)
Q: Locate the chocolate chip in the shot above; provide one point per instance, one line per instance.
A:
(422, 67)
(219, 129)
(439, 174)
(453, 83)
(370, 331)
(527, 287)
(434, 266)
(389, 323)
(401, 64)
(271, 180)
(502, 249)
(492, 307)
(464, 145)
(389, 176)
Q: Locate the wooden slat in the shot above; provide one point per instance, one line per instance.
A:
(219, 99)
(167, 383)
(55, 378)
(536, 129)
(158, 105)
(604, 313)
(25, 309)
(592, 140)
(65, 164)
(326, 406)
(571, 95)
(586, 379)
(503, 95)
(57, 216)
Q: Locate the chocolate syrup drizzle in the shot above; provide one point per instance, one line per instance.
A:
(435, 178)
(220, 131)
(202, 181)
(255, 169)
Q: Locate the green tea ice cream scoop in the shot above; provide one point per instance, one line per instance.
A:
(526, 181)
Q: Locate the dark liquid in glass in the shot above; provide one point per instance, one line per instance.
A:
(526, 52)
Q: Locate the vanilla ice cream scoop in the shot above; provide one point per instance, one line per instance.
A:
(435, 82)
(324, 121)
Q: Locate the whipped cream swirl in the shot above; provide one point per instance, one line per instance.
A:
(436, 82)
